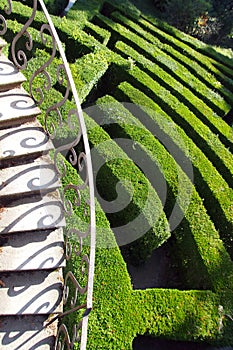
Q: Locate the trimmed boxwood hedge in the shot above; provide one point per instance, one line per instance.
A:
(88, 70)
(100, 34)
(177, 53)
(196, 44)
(154, 52)
(208, 182)
(144, 200)
(121, 124)
(196, 56)
(198, 131)
(77, 42)
(211, 59)
(120, 313)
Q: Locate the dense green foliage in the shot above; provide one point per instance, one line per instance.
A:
(210, 20)
(184, 12)
(182, 89)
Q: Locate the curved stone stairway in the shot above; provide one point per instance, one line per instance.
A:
(31, 221)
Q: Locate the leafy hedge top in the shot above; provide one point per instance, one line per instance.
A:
(177, 80)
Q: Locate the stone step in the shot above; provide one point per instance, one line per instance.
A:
(26, 140)
(32, 250)
(36, 177)
(16, 107)
(10, 77)
(33, 213)
(34, 292)
(27, 332)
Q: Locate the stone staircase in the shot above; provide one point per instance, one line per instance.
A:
(31, 221)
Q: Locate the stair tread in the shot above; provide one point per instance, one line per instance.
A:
(16, 106)
(33, 213)
(32, 250)
(27, 332)
(37, 176)
(25, 140)
(37, 292)
(10, 76)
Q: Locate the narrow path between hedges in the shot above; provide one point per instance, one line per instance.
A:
(31, 221)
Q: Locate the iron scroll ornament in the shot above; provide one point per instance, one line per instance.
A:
(3, 22)
(21, 57)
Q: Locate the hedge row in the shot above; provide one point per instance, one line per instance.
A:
(144, 213)
(172, 66)
(193, 42)
(208, 182)
(217, 59)
(186, 49)
(119, 313)
(177, 52)
(144, 200)
(100, 34)
(120, 123)
(62, 133)
(184, 315)
(111, 283)
(88, 70)
(198, 131)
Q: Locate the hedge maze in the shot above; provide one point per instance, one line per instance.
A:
(159, 100)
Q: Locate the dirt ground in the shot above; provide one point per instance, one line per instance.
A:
(157, 272)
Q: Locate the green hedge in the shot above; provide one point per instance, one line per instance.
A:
(175, 68)
(112, 286)
(179, 45)
(198, 131)
(193, 42)
(195, 218)
(119, 313)
(137, 16)
(182, 315)
(100, 34)
(183, 54)
(208, 182)
(144, 201)
(88, 70)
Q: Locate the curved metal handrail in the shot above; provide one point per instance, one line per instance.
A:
(83, 160)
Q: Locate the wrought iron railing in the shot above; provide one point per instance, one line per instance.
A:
(63, 116)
